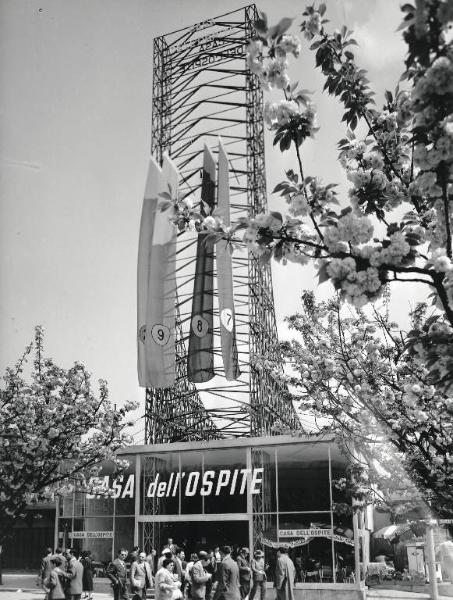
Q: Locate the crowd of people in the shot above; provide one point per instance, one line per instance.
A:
(206, 575)
(67, 575)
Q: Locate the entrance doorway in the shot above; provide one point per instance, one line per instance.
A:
(194, 536)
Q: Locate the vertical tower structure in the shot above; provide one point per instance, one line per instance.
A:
(202, 89)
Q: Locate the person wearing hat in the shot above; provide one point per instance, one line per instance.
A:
(259, 575)
(167, 554)
(56, 580)
(200, 577)
(245, 572)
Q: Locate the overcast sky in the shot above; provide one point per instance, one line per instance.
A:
(75, 110)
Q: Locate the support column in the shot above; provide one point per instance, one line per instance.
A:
(431, 555)
(355, 525)
(249, 465)
(57, 522)
(365, 541)
(334, 565)
(137, 499)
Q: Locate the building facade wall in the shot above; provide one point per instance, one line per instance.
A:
(256, 492)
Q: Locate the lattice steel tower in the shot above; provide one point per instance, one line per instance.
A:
(202, 89)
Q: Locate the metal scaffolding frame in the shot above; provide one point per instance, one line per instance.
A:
(202, 89)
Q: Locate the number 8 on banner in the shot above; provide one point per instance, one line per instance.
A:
(200, 326)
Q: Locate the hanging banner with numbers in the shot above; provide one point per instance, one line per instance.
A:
(200, 360)
(225, 276)
(156, 279)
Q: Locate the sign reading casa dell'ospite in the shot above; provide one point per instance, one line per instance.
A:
(191, 483)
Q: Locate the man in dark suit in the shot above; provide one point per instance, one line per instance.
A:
(75, 570)
(46, 567)
(117, 573)
(228, 578)
(179, 553)
(200, 577)
(245, 572)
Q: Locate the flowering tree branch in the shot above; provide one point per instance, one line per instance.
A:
(54, 433)
(401, 170)
(351, 371)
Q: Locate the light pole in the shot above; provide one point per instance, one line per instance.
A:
(431, 555)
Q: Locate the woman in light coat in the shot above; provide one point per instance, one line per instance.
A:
(164, 582)
(54, 583)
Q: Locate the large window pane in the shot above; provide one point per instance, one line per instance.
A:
(95, 534)
(310, 536)
(303, 477)
(100, 504)
(79, 504)
(195, 536)
(64, 529)
(191, 482)
(124, 490)
(160, 488)
(225, 481)
(101, 549)
(66, 505)
(266, 501)
(338, 472)
(124, 533)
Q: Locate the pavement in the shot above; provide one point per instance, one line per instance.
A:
(39, 595)
(22, 586)
(386, 594)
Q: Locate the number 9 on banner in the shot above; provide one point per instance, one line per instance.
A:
(200, 326)
(226, 318)
(160, 334)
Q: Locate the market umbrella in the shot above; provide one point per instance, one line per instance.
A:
(392, 532)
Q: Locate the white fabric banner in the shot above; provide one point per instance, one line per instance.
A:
(156, 280)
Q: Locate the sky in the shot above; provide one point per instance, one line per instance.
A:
(75, 123)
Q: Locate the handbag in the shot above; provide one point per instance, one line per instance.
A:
(138, 583)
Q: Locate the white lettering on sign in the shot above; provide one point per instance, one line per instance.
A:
(90, 534)
(117, 488)
(314, 532)
(207, 484)
(192, 483)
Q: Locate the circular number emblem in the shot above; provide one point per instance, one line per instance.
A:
(160, 334)
(226, 318)
(142, 333)
(200, 326)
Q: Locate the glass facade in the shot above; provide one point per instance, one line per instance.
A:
(257, 492)
(98, 522)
